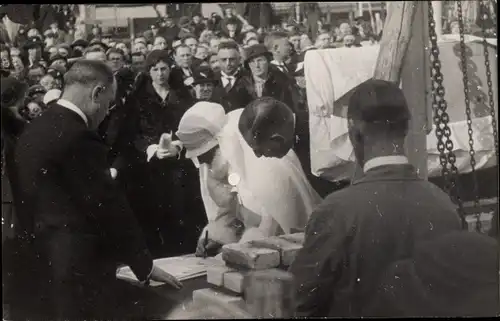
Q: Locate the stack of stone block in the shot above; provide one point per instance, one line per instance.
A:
(227, 279)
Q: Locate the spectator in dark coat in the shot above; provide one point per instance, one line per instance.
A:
(359, 231)
(162, 189)
(231, 82)
(215, 22)
(181, 75)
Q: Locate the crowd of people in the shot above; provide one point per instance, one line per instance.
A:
(195, 135)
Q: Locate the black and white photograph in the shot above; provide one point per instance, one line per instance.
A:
(248, 160)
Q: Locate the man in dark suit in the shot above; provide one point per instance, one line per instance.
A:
(181, 75)
(357, 232)
(231, 83)
(82, 225)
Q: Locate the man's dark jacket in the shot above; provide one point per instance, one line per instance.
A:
(357, 232)
(64, 187)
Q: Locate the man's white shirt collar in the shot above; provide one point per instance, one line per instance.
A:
(226, 79)
(385, 160)
(277, 63)
(69, 105)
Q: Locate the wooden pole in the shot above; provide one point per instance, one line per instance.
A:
(395, 40)
(416, 81)
(269, 294)
(403, 59)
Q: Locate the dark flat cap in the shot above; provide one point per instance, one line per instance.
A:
(98, 42)
(378, 101)
(80, 43)
(12, 90)
(36, 90)
(57, 57)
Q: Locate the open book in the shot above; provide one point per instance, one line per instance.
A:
(182, 267)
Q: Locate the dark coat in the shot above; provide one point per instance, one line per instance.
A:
(176, 82)
(280, 86)
(357, 232)
(455, 275)
(165, 194)
(83, 225)
(238, 96)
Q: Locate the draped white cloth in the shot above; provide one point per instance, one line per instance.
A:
(267, 186)
(332, 73)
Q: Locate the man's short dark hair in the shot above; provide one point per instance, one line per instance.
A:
(380, 105)
(86, 72)
(228, 45)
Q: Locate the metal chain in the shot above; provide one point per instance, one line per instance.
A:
(485, 11)
(468, 112)
(441, 120)
(485, 14)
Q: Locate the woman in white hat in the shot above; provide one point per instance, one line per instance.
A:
(268, 195)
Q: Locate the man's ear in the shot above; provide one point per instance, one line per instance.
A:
(97, 92)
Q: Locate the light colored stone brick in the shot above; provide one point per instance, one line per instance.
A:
(250, 257)
(233, 281)
(287, 249)
(215, 274)
(215, 297)
(295, 238)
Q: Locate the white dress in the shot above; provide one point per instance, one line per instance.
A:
(266, 186)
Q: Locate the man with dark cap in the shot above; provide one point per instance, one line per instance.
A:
(77, 47)
(358, 231)
(203, 84)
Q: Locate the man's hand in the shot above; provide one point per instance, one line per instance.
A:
(113, 173)
(158, 275)
(210, 249)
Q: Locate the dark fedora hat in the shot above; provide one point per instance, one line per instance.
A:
(256, 51)
(203, 75)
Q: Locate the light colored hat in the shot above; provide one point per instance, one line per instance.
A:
(199, 127)
(51, 95)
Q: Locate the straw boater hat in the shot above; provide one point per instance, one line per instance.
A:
(199, 127)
